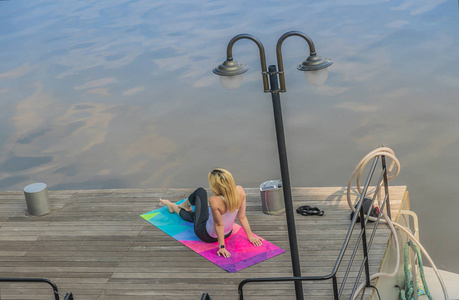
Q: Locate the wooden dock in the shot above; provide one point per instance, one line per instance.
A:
(95, 244)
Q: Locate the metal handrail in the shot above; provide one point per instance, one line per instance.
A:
(362, 236)
(38, 280)
(364, 217)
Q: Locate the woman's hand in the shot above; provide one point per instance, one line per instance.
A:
(256, 241)
(223, 252)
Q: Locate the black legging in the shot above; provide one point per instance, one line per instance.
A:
(200, 215)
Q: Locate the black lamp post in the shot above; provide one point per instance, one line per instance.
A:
(316, 72)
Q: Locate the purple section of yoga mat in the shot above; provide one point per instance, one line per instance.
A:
(243, 253)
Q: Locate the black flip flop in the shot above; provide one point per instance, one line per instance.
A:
(309, 211)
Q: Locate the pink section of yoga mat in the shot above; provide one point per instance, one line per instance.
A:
(243, 253)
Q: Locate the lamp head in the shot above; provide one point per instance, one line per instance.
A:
(315, 69)
(231, 73)
(230, 68)
(314, 63)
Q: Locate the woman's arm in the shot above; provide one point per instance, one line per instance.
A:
(245, 222)
(219, 227)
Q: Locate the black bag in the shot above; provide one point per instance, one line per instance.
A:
(366, 205)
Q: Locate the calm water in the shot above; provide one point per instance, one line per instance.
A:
(120, 94)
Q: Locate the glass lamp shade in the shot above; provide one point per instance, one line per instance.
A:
(317, 77)
(231, 82)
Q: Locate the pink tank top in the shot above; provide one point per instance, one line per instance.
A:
(228, 221)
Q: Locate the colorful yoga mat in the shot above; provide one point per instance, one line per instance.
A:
(243, 253)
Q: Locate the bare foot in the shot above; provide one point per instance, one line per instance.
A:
(168, 204)
(185, 205)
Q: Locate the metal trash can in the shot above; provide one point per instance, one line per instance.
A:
(37, 199)
(272, 197)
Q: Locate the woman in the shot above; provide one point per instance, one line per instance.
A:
(227, 202)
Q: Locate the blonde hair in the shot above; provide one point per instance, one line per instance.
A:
(221, 182)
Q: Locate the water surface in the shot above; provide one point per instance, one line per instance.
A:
(120, 94)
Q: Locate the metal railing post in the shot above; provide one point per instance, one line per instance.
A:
(364, 245)
(335, 287)
(386, 185)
